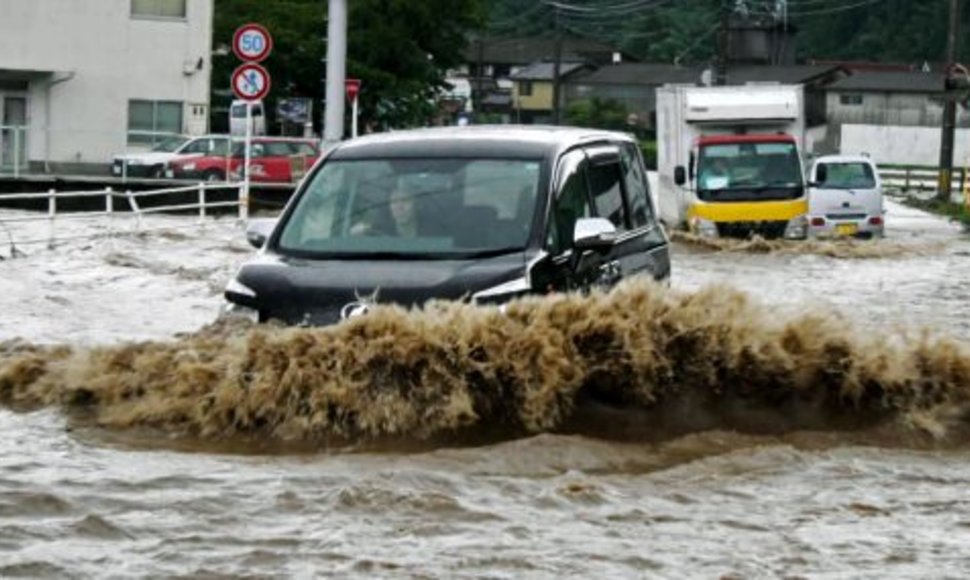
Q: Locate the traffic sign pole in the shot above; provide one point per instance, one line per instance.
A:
(247, 156)
(252, 43)
(352, 86)
(353, 116)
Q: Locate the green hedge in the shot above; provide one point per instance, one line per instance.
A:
(649, 151)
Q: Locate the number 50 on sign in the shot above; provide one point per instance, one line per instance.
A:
(252, 43)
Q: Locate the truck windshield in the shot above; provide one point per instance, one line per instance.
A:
(424, 208)
(749, 169)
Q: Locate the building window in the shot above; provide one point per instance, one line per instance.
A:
(149, 122)
(525, 88)
(158, 9)
(850, 99)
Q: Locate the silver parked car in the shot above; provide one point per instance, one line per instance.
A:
(845, 197)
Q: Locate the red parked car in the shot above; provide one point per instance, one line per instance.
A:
(272, 160)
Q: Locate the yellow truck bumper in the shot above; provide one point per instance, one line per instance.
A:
(748, 211)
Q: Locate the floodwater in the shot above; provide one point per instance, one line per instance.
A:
(783, 411)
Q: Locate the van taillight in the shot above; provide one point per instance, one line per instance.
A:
(818, 221)
(876, 221)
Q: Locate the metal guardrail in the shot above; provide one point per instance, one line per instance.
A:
(919, 179)
(202, 204)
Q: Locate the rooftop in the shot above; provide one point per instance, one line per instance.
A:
(892, 81)
(661, 74)
(544, 71)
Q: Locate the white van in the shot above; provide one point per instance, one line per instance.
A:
(845, 197)
(237, 118)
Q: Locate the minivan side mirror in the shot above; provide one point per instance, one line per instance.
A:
(259, 230)
(680, 175)
(594, 233)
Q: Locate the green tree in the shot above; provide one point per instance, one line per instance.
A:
(400, 49)
(906, 31)
(597, 113)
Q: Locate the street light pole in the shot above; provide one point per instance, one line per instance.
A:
(333, 130)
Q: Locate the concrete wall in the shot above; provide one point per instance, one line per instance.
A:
(905, 109)
(898, 145)
(104, 57)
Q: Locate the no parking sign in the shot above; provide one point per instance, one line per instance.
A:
(250, 82)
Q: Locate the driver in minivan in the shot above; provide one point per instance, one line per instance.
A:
(397, 218)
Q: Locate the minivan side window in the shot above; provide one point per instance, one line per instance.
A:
(571, 203)
(604, 183)
(637, 188)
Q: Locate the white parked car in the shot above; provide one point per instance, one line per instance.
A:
(845, 197)
(153, 163)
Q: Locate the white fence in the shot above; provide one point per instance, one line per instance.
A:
(112, 209)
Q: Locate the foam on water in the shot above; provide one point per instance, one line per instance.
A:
(640, 361)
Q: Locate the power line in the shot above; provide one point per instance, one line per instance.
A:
(624, 8)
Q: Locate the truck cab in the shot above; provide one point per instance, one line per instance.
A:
(730, 160)
(746, 184)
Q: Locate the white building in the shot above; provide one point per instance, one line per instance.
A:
(81, 80)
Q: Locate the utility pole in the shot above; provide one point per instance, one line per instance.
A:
(479, 73)
(333, 130)
(945, 181)
(556, 81)
(723, 42)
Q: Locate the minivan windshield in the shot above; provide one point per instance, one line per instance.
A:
(851, 175)
(425, 208)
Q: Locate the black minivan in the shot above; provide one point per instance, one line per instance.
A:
(477, 213)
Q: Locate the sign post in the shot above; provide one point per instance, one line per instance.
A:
(252, 43)
(353, 89)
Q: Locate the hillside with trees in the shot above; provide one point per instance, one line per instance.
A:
(901, 31)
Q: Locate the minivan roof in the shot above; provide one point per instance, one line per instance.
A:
(843, 159)
(473, 140)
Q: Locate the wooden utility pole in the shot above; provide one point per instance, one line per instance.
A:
(723, 44)
(945, 181)
(479, 73)
(556, 67)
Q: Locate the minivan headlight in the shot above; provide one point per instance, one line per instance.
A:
(503, 292)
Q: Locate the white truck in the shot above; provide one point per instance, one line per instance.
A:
(730, 159)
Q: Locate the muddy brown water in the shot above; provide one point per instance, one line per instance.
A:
(777, 414)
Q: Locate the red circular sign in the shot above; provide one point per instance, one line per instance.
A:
(250, 82)
(252, 42)
(352, 86)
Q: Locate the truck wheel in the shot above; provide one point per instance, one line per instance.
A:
(156, 172)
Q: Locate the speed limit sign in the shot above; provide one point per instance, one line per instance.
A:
(252, 43)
